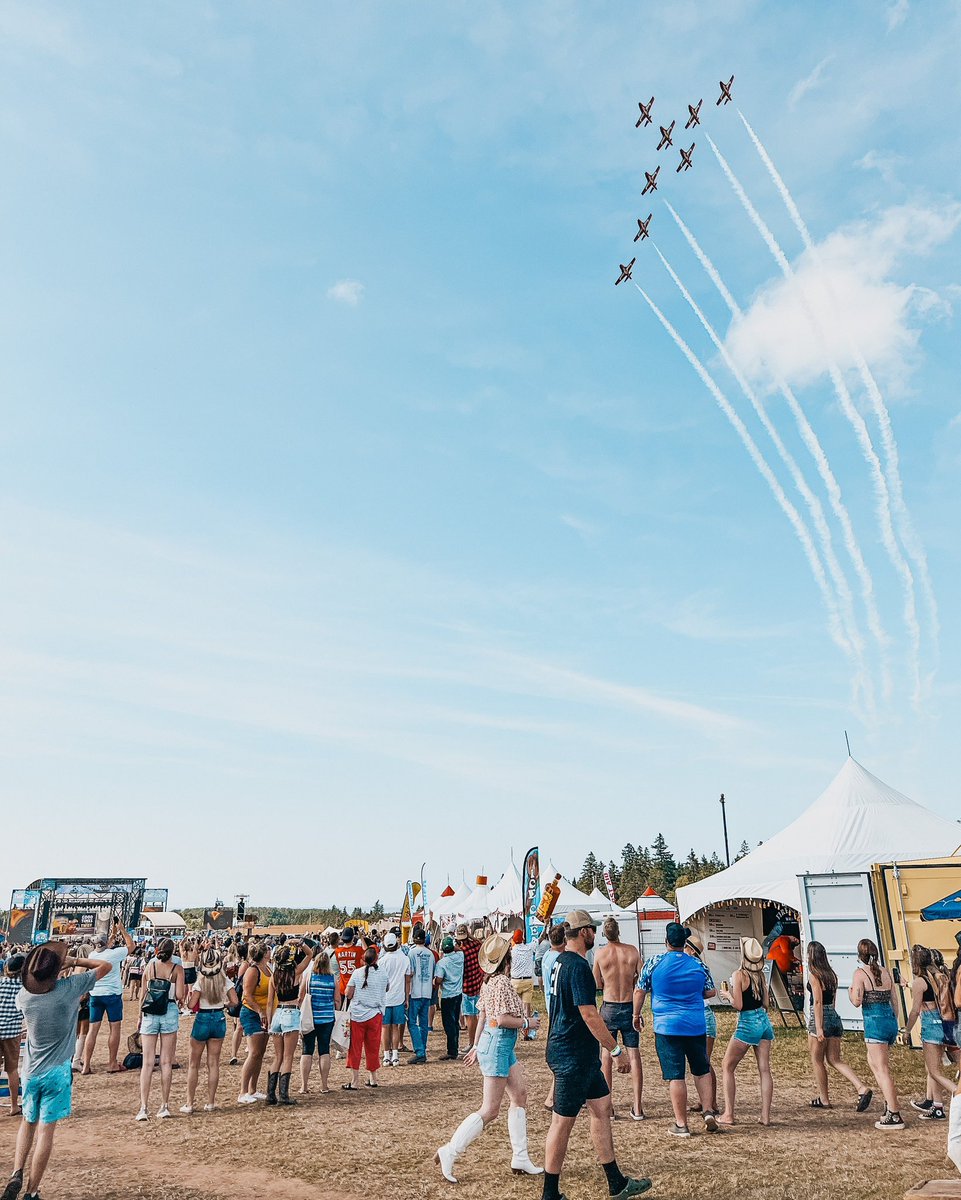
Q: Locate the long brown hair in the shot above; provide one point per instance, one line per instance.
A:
(370, 960)
(869, 958)
(820, 968)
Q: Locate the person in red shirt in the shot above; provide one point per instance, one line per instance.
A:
(782, 952)
(473, 978)
(349, 957)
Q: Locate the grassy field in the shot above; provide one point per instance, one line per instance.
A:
(346, 1146)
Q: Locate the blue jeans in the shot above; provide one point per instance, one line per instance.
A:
(418, 1012)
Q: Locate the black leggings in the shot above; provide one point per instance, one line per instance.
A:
(319, 1037)
(450, 1015)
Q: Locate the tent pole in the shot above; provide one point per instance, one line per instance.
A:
(727, 851)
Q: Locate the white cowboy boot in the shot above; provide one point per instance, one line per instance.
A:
(954, 1132)
(517, 1128)
(466, 1132)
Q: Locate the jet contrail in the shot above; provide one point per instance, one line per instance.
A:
(844, 597)
(909, 536)
(854, 419)
(792, 514)
(810, 439)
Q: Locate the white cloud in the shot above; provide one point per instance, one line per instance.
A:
(846, 286)
(886, 163)
(808, 83)
(347, 291)
(896, 13)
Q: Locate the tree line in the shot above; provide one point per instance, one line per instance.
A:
(642, 867)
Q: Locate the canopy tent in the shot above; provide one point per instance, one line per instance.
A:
(507, 896)
(948, 909)
(655, 906)
(449, 906)
(856, 821)
(570, 897)
(598, 902)
(478, 903)
(169, 922)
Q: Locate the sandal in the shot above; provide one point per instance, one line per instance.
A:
(864, 1101)
(348, 1087)
(817, 1102)
(369, 1084)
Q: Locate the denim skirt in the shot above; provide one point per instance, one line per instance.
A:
(880, 1024)
(495, 1052)
(833, 1028)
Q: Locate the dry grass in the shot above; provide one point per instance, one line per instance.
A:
(345, 1146)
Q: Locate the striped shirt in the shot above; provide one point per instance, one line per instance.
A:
(322, 998)
(11, 1018)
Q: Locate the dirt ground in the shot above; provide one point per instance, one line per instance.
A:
(347, 1146)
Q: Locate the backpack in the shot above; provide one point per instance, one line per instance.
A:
(156, 998)
(233, 1010)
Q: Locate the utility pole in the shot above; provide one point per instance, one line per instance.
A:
(727, 851)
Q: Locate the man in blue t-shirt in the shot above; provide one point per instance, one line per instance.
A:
(573, 1055)
(678, 985)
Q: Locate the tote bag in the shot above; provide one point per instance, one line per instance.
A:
(340, 1036)
(306, 1013)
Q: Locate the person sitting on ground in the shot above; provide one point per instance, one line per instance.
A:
(49, 1007)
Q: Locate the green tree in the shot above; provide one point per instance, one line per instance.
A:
(743, 851)
(590, 875)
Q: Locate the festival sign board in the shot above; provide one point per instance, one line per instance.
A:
(531, 884)
(609, 884)
(218, 918)
(23, 913)
(69, 924)
(155, 900)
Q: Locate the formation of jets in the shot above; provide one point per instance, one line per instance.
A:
(687, 158)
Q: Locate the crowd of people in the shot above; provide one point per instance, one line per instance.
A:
(358, 995)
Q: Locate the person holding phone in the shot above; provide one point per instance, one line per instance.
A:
(106, 997)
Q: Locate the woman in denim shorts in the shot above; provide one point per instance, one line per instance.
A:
(749, 998)
(825, 1031)
(283, 1015)
(870, 991)
(500, 1016)
(928, 990)
(162, 1028)
(213, 991)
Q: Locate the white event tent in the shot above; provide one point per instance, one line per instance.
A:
(449, 906)
(570, 897)
(478, 904)
(506, 896)
(857, 821)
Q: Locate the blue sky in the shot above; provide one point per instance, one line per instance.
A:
(351, 518)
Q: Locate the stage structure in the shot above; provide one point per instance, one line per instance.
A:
(59, 908)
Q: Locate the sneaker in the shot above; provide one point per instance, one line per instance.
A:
(259, 1096)
(246, 1098)
(210, 1108)
(163, 1113)
(934, 1113)
(710, 1122)
(233, 1062)
(676, 1130)
(143, 1115)
(922, 1105)
(890, 1120)
(186, 1109)
(417, 1061)
(637, 1116)
(633, 1187)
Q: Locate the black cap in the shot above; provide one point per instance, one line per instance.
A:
(676, 935)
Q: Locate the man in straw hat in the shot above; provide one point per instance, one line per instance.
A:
(49, 1006)
(576, 1036)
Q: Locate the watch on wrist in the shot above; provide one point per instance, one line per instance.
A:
(617, 1052)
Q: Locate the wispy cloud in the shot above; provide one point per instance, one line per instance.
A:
(347, 291)
(808, 83)
(885, 162)
(896, 14)
(586, 529)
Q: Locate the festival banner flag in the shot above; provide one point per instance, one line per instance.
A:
(532, 892)
(407, 912)
(423, 896)
(609, 884)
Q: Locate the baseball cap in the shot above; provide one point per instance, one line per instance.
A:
(579, 919)
(447, 945)
(390, 941)
(676, 935)
(461, 933)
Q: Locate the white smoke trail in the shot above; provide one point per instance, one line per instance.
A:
(909, 536)
(845, 599)
(857, 423)
(792, 514)
(810, 439)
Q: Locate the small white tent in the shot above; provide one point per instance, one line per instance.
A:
(450, 906)
(506, 895)
(478, 903)
(597, 902)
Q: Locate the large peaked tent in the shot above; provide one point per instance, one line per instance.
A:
(857, 821)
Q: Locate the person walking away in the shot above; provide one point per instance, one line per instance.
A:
(135, 968)
(106, 998)
(870, 991)
(283, 1015)
(421, 962)
(49, 1009)
(11, 1027)
(84, 950)
(323, 988)
(213, 992)
(366, 997)
(522, 976)
(573, 1054)
(159, 1022)
(449, 976)
(235, 966)
(255, 985)
(825, 1031)
(693, 946)
(616, 971)
(926, 999)
(678, 984)
(397, 970)
(349, 957)
(749, 999)
(500, 1016)
(555, 942)
(473, 978)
